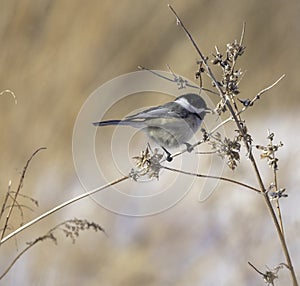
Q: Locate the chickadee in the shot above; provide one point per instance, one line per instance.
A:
(169, 125)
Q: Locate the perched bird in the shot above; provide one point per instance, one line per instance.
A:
(169, 125)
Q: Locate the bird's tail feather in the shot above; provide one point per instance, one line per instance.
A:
(132, 123)
(108, 122)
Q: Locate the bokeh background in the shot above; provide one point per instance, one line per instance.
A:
(55, 53)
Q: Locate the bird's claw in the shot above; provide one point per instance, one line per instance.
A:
(189, 147)
(169, 155)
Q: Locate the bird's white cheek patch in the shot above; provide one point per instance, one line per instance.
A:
(185, 104)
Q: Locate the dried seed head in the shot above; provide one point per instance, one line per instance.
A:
(226, 148)
(147, 165)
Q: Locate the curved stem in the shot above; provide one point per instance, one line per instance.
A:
(212, 177)
(57, 208)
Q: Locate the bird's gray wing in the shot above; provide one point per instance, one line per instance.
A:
(165, 111)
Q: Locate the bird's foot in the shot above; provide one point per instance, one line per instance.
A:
(189, 147)
(169, 155)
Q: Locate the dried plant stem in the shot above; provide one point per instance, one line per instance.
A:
(5, 200)
(64, 204)
(261, 93)
(279, 216)
(188, 84)
(15, 260)
(70, 228)
(258, 271)
(274, 218)
(276, 188)
(248, 147)
(203, 58)
(14, 198)
(212, 177)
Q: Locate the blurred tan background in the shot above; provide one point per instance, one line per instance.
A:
(55, 53)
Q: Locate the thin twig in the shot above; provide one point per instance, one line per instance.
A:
(211, 177)
(5, 200)
(279, 215)
(261, 93)
(71, 229)
(166, 78)
(173, 80)
(206, 153)
(276, 184)
(258, 271)
(16, 258)
(14, 198)
(17, 205)
(241, 43)
(243, 34)
(21, 207)
(57, 208)
(203, 58)
(34, 201)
